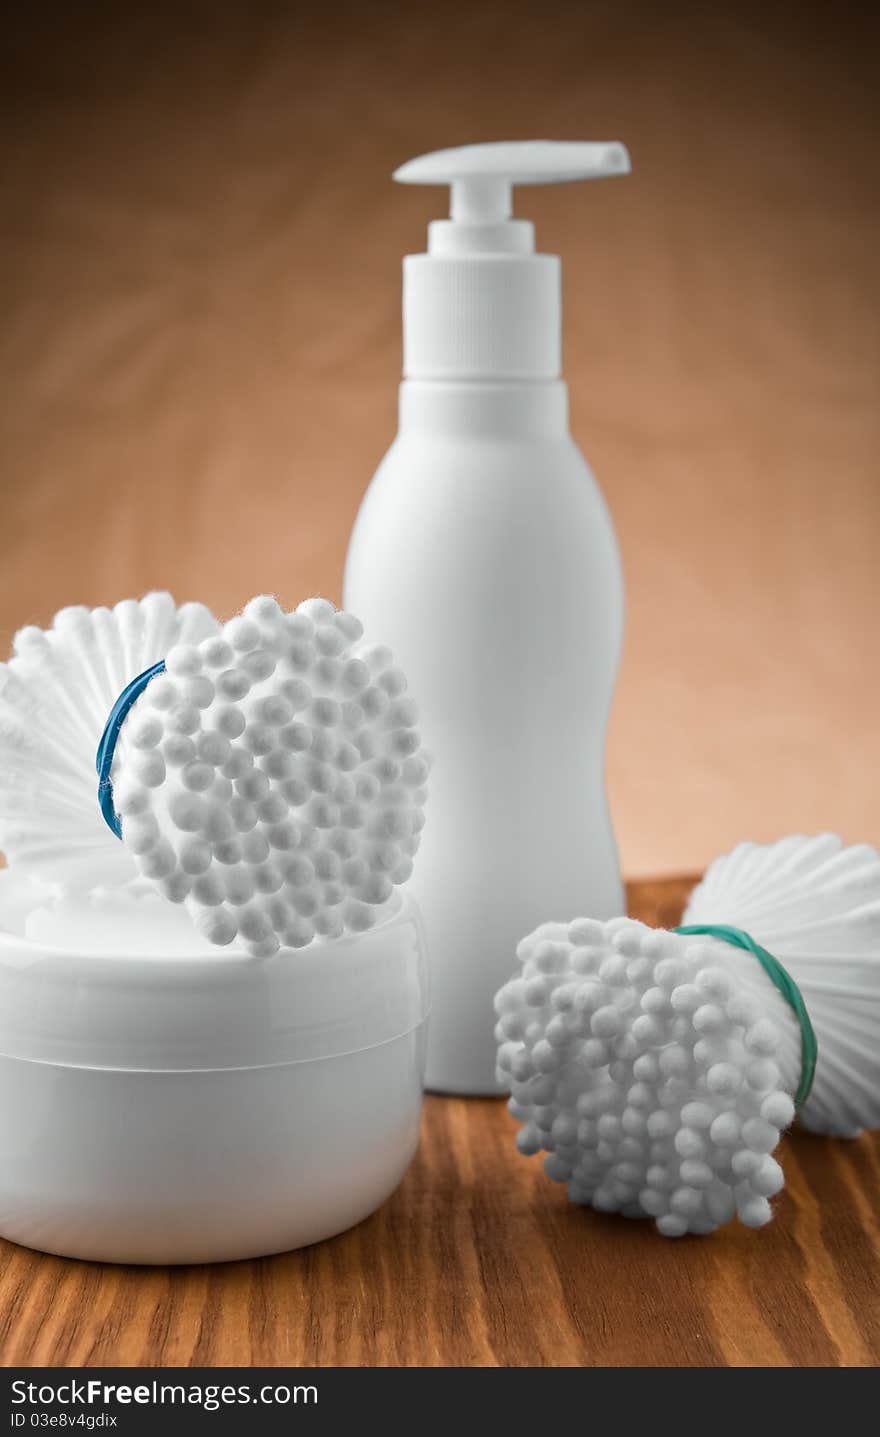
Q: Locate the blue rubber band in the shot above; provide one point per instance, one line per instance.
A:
(107, 746)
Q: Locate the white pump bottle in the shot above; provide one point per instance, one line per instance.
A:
(484, 556)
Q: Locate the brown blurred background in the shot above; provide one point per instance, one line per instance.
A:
(201, 337)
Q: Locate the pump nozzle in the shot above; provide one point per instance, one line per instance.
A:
(509, 313)
(482, 176)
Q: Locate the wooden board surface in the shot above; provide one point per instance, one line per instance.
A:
(478, 1260)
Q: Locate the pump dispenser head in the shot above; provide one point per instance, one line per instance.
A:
(481, 180)
(481, 304)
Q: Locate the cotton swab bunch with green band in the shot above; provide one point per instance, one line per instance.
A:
(782, 980)
(658, 1069)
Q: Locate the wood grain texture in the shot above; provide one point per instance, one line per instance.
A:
(478, 1260)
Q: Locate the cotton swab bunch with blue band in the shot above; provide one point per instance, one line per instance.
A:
(55, 694)
(658, 1069)
(272, 778)
(266, 773)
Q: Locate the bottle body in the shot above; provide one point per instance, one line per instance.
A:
(484, 556)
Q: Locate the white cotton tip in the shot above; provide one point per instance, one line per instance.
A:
(631, 1062)
(274, 806)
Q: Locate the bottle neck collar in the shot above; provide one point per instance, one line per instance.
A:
(481, 408)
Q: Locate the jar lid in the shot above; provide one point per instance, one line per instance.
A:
(126, 994)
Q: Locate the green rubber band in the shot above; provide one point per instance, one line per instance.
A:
(781, 979)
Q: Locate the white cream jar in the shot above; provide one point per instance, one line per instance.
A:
(165, 1101)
